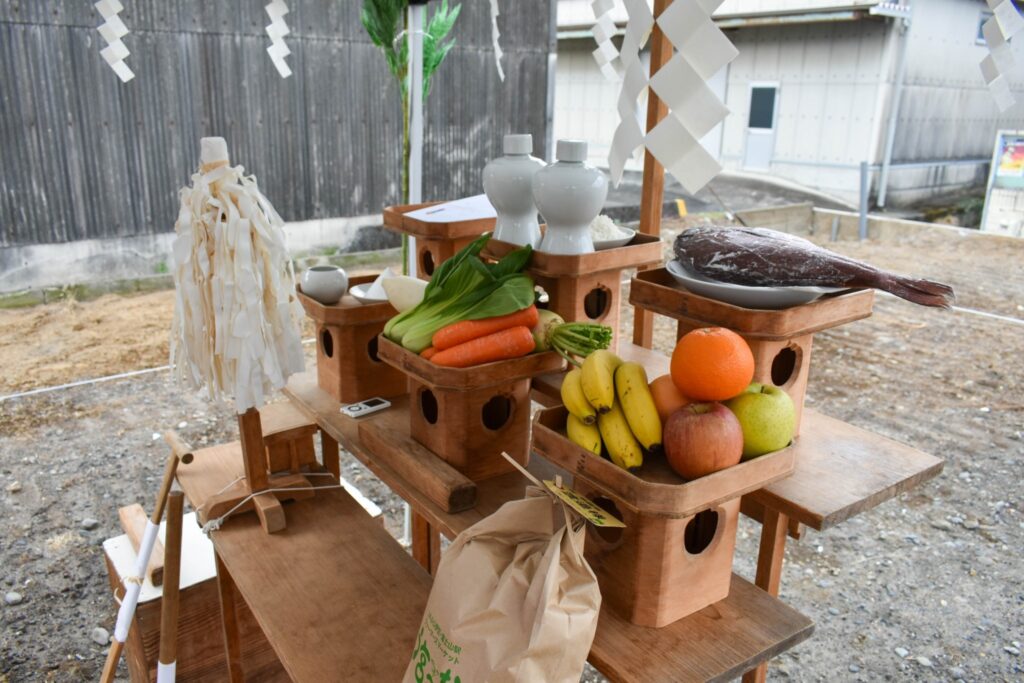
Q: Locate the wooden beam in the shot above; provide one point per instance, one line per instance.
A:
(229, 621)
(426, 543)
(769, 570)
(653, 190)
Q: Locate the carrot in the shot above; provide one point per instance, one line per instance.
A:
(465, 330)
(428, 352)
(511, 343)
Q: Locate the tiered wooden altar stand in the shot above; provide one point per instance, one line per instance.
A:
(337, 597)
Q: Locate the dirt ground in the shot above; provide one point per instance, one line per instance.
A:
(925, 587)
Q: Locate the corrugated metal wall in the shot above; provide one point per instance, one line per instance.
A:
(84, 156)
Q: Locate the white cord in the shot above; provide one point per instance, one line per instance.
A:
(215, 524)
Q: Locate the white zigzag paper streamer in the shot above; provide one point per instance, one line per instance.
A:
(702, 50)
(629, 135)
(1004, 23)
(495, 35)
(277, 30)
(606, 55)
(113, 30)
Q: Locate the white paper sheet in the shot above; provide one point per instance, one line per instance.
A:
(466, 209)
(681, 154)
(376, 290)
(688, 97)
(112, 30)
(276, 31)
(629, 133)
(997, 31)
(606, 54)
(495, 40)
(690, 29)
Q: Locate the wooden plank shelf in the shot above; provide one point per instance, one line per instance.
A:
(331, 568)
(717, 643)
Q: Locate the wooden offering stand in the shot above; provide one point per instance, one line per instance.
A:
(347, 364)
(674, 557)
(286, 449)
(435, 242)
(468, 416)
(780, 340)
(585, 287)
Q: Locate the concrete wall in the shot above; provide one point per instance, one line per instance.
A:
(828, 76)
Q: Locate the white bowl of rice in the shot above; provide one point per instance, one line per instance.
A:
(607, 235)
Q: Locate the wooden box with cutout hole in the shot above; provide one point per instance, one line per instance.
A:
(347, 364)
(780, 340)
(435, 242)
(585, 287)
(675, 555)
(468, 416)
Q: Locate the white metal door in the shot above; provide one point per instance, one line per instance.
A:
(713, 140)
(764, 105)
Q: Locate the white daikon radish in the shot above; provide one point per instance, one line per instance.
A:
(404, 292)
(235, 329)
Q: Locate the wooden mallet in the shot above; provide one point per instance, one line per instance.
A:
(180, 453)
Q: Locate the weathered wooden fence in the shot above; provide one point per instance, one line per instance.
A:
(84, 156)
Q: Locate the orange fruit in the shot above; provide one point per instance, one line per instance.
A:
(667, 398)
(712, 364)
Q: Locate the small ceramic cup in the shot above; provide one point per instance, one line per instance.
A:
(326, 284)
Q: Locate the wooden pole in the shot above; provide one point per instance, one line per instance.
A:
(250, 432)
(169, 604)
(653, 191)
(131, 594)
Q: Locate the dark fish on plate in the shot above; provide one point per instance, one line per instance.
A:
(757, 257)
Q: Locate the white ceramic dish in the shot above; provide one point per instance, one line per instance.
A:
(763, 298)
(620, 242)
(358, 292)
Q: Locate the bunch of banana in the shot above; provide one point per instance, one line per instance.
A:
(610, 404)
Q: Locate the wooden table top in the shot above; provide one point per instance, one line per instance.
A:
(336, 596)
(718, 643)
(841, 470)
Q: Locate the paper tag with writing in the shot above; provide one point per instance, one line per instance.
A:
(583, 506)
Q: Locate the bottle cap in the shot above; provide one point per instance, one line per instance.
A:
(518, 144)
(571, 150)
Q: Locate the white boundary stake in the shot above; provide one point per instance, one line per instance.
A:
(133, 584)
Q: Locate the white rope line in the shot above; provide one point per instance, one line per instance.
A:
(215, 524)
(99, 380)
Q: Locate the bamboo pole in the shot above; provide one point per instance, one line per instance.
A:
(167, 662)
(133, 584)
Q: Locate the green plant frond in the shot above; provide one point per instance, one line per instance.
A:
(383, 21)
(435, 49)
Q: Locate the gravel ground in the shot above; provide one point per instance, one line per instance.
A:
(925, 587)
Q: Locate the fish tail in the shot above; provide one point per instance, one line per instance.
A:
(923, 292)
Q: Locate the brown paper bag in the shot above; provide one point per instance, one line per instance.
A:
(513, 600)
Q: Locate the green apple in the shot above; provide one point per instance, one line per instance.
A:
(767, 416)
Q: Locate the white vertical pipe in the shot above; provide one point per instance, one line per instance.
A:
(894, 111)
(414, 31)
(415, 34)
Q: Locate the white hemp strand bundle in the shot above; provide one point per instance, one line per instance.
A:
(236, 317)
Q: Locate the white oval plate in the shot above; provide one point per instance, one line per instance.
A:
(358, 292)
(764, 298)
(620, 242)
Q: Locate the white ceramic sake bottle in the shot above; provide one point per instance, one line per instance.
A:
(569, 194)
(508, 182)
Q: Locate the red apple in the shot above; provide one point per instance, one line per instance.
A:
(702, 438)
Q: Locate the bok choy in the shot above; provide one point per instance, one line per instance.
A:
(464, 288)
